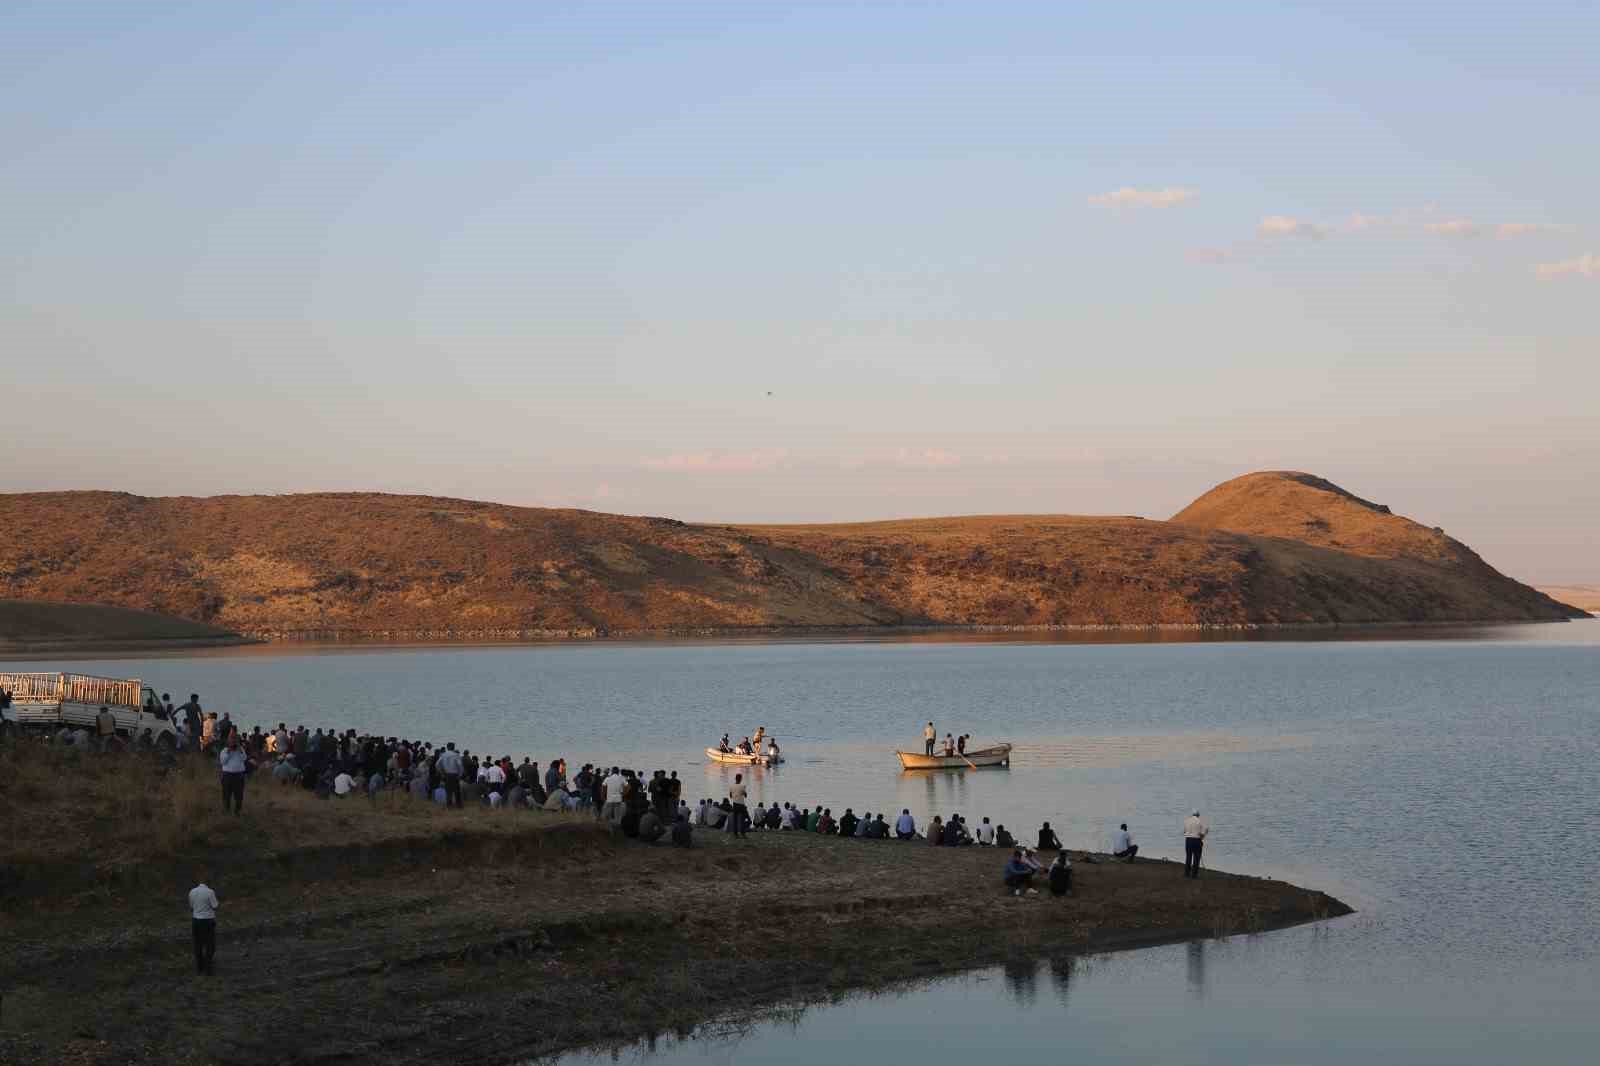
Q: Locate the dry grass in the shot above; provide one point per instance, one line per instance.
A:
(120, 810)
(1268, 548)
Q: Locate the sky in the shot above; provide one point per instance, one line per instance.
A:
(811, 262)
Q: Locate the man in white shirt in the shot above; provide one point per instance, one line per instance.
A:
(986, 834)
(233, 764)
(740, 796)
(450, 765)
(203, 923)
(613, 810)
(342, 784)
(1122, 845)
(929, 735)
(1194, 841)
(905, 826)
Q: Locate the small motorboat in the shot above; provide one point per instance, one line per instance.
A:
(999, 755)
(718, 755)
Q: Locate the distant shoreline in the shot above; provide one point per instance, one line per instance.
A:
(1114, 633)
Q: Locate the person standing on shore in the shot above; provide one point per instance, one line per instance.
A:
(451, 766)
(741, 812)
(233, 764)
(203, 923)
(929, 735)
(1194, 842)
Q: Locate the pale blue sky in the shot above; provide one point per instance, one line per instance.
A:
(561, 253)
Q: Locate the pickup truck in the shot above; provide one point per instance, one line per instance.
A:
(53, 701)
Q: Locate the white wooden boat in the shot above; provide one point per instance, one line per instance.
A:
(718, 755)
(999, 755)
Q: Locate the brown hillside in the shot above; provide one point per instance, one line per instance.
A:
(33, 621)
(412, 567)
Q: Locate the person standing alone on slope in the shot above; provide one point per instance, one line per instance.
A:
(1194, 842)
(203, 923)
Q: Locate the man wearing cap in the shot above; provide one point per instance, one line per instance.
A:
(1194, 841)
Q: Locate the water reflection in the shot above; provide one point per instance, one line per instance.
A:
(1196, 956)
(1022, 980)
(1061, 970)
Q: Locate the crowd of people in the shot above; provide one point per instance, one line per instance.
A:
(338, 764)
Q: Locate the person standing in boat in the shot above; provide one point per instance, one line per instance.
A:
(929, 735)
(755, 741)
(723, 746)
(949, 746)
(961, 744)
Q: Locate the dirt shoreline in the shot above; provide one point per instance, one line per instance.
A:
(507, 936)
(1109, 632)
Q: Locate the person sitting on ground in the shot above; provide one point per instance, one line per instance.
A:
(286, 771)
(682, 833)
(814, 819)
(774, 816)
(342, 784)
(826, 825)
(1122, 845)
(1060, 875)
(936, 831)
(986, 834)
(559, 800)
(1003, 839)
(1048, 841)
(905, 826)
(880, 828)
(864, 827)
(847, 823)
(650, 827)
(1019, 875)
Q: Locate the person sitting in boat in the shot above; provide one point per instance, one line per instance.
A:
(723, 746)
(1048, 841)
(744, 747)
(1019, 875)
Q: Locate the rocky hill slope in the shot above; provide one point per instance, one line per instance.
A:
(1266, 548)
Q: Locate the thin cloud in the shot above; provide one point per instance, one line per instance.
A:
(1209, 256)
(1359, 221)
(1585, 266)
(1287, 226)
(1508, 230)
(715, 462)
(1455, 227)
(1133, 199)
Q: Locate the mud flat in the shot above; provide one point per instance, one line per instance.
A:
(396, 932)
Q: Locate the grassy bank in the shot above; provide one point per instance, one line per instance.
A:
(402, 933)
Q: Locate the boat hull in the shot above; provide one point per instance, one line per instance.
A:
(999, 755)
(717, 755)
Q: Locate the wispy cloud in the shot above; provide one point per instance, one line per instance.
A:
(1129, 197)
(1287, 226)
(1585, 266)
(1455, 227)
(715, 462)
(1209, 256)
(907, 459)
(1509, 230)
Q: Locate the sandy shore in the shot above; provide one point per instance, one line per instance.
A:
(412, 935)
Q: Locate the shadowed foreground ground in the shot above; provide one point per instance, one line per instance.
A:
(405, 934)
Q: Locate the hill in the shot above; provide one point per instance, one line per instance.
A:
(1268, 548)
(1584, 597)
(26, 623)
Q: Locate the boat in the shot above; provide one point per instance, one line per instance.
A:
(718, 755)
(999, 755)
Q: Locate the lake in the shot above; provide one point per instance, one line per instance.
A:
(1443, 787)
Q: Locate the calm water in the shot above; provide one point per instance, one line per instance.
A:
(1445, 788)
